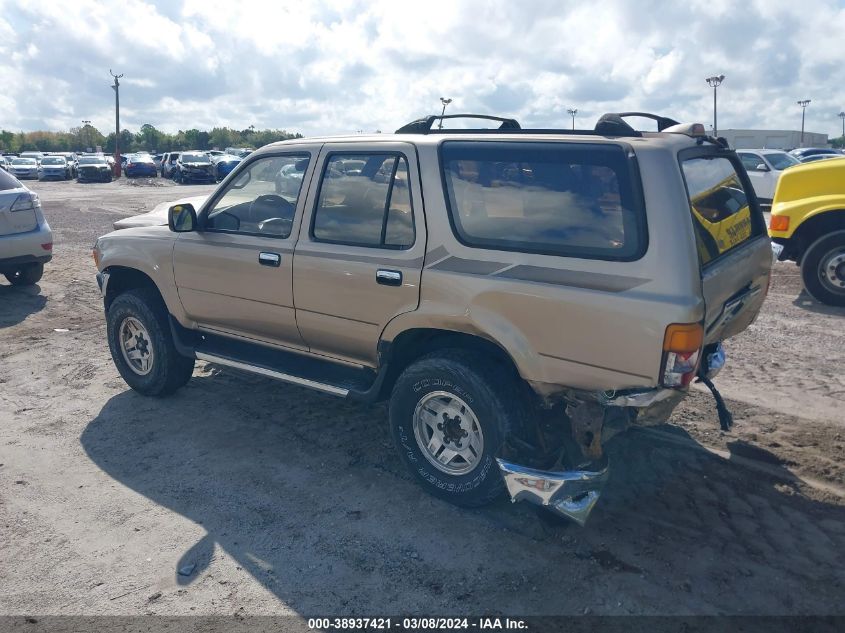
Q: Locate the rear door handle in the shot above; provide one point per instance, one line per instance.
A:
(389, 277)
(269, 259)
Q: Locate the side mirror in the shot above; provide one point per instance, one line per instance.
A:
(182, 218)
(761, 167)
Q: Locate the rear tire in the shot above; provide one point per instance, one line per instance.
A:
(823, 269)
(474, 402)
(26, 275)
(141, 344)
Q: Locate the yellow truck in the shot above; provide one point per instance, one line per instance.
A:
(807, 226)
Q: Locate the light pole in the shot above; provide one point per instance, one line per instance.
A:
(445, 102)
(714, 82)
(85, 124)
(116, 88)
(803, 103)
(842, 116)
(572, 112)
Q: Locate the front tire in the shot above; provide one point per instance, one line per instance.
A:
(142, 346)
(823, 269)
(450, 414)
(26, 275)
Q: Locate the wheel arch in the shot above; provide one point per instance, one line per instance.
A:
(814, 227)
(124, 278)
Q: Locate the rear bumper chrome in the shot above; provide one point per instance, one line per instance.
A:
(570, 494)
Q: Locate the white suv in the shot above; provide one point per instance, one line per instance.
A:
(26, 241)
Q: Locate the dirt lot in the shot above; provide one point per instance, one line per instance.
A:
(283, 500)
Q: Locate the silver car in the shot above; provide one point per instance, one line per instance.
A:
(24, 168)
(26, 241)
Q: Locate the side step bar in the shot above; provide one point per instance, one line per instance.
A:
(263, 371)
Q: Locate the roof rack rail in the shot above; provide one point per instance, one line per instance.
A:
(614, 124)
(425, 124)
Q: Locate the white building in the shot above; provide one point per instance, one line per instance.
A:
(772, 139)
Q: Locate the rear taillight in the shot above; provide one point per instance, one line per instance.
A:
(681, 353)
(48, 246)
(26, 202)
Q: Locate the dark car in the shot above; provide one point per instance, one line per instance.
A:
(193, 167)
(803, 153)
(168, 164)
(223, 165)
(94, 169)
(140, 165)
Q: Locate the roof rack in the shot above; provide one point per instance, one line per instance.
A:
(424, 125)
(611, 124)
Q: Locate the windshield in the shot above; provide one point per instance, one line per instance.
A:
(53, 160)
(782, 161)
(194, 158)
(141, 159)
(24, 161)
(92, 160)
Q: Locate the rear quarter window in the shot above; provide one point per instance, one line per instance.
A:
(568, 199)
(722, 214)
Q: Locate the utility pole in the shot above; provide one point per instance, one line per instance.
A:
(445, 102)
(572, 112)
(85, 124)
(842, 116)
(714, 82)
(803, 103)
(116, 88)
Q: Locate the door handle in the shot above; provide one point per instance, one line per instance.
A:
(269, 259)
(388, 277)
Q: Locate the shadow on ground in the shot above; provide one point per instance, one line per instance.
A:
(305, 493)
(18, 302)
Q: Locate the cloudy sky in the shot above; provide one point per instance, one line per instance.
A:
(326, 67)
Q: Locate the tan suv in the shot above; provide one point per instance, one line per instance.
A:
(519, 296)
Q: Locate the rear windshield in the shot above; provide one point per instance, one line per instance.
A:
(53, 160)
(194, 158)
(8, 181)
(721, 212)
(570, 199)
(92, 160)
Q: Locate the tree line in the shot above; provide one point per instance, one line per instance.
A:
(148, 138)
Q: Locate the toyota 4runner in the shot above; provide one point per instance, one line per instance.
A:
(518, 296)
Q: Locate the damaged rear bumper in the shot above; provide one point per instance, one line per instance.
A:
(571, 494)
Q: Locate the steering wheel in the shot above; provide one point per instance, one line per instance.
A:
(273, 204)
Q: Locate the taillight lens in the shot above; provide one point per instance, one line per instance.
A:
(26, 202)
(681, 353)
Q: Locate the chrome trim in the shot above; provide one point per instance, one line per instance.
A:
(637, 399)
(269, 259)
(296, 380)
(570, 494)
(103, 283)
(389, 276)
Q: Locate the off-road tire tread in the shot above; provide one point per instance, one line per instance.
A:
(148, 306)
(492, 381)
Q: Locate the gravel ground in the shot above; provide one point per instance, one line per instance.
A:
(273, 499)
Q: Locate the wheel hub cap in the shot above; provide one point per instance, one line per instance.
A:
(136, 347)
(447, 432)
(832, 270)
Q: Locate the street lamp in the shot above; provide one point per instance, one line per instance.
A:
(714, 82)
(85, 124)
(572, 112)
(842, 116)
(803, 103)
(445, 102)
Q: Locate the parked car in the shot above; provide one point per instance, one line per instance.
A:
(223, 165)
(168, 164)
(289, 179)
(5, 163)
(157, 160)
(802, 153)
(54, 168)
(36, 155)
(818, 157)
(140, 165)
(193, 167)
(72, 161)
(764, 167)
(499, 289)
(24, 167)
(807, 226)
(94, 169)
(26, 241)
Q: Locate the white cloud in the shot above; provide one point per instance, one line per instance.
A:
(338, 66)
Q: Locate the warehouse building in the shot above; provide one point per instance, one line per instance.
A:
(772, 139)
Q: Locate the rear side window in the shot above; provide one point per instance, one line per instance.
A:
(721, 212)
(8, 181)
(570, 199)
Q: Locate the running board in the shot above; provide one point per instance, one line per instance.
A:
(270, 373)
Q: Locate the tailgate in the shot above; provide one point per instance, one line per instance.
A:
(733, 247)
